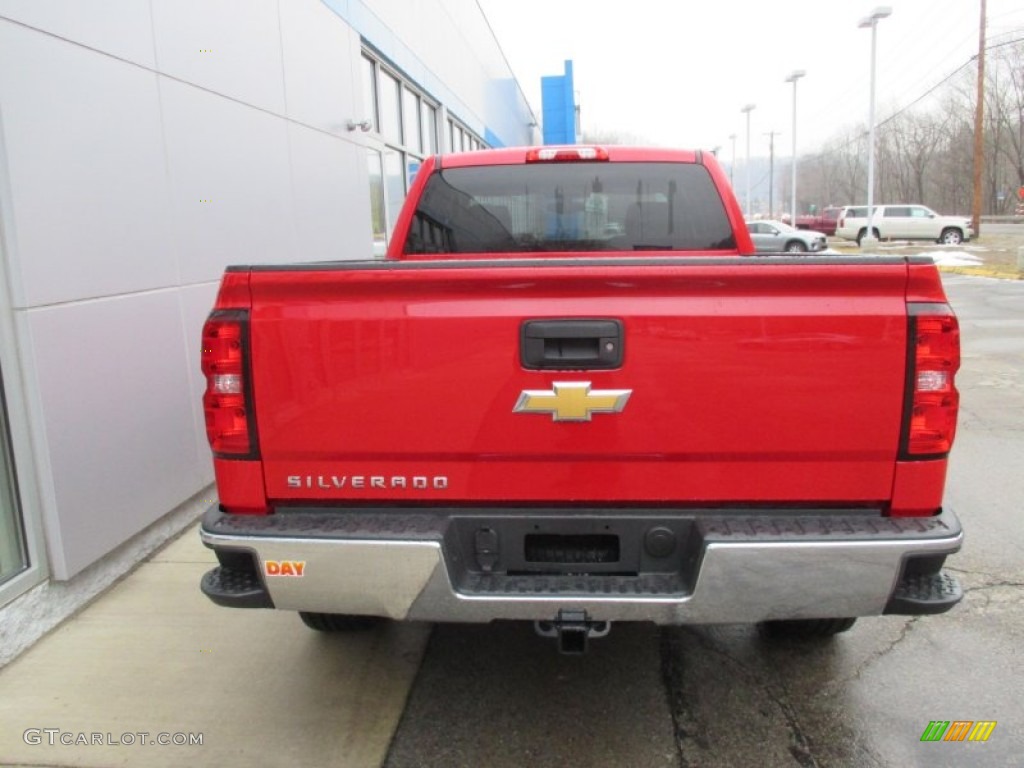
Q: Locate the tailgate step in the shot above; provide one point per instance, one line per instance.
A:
(235, 589)
(561, 585)
(925, 594)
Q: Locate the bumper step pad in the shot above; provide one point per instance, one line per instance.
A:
(925, 595)
(235, 589)
(568, 585)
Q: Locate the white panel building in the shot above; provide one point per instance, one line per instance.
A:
(144, 146)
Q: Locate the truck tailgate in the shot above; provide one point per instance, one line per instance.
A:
(750, 380)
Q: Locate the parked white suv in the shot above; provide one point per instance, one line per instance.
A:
(903, 222)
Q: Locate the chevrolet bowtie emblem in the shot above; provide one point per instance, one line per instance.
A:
(572, 401)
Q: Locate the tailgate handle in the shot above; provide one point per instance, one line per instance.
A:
(571, 344)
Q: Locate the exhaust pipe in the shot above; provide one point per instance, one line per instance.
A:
(571, 630)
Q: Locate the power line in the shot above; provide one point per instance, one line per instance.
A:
(907, 49)
(945, 80)
(929, 92)
(970, 61)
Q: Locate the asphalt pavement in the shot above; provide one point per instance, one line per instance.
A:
(499, 697)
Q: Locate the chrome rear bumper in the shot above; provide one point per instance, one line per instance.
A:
(724, 568)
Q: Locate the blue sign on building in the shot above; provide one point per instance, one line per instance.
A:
(558, 100)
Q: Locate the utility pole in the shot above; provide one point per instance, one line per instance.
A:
(771, 172)
(979, 129)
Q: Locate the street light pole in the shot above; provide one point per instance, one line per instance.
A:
(771, 172)
(794, 76)
(747, 110)
(870, 241)
(732, 136)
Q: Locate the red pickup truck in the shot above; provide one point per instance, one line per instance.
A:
(573, 394)
(824, 222)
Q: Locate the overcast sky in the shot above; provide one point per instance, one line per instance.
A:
(677, 72)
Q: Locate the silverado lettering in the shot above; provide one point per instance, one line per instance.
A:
(781, 460)
(330, 482)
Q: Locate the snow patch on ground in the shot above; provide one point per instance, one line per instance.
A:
(964, 255)
(954, 259)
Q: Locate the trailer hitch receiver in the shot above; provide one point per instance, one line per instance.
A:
(571, 629)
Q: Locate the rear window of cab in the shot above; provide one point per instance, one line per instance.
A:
(618, 206)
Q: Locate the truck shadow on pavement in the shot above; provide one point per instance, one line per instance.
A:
(498, 695)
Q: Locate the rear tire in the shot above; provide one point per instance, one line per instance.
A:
(951, 236)
(805, 629)
(864, 233)
(339, 622)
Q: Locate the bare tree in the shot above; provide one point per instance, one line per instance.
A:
(1009, 106)
(910, 142)
(925, 155)
(848, 153)
(600, 136)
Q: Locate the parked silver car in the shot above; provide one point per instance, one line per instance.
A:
(772, 236)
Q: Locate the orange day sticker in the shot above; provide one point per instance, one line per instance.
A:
(285, 567)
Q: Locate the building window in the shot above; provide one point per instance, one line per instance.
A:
(405, 124)
(394, 184)
(378, 215)
(411, 119)
(461, 139)
(13, 557)
(390, 108)
(369, 75)
(428, 116)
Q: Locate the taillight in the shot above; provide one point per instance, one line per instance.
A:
(565, 154)
(932, 401)
(226, 402)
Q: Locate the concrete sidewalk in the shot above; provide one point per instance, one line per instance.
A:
(153, 656)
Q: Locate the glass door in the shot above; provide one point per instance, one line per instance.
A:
(13, 557)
